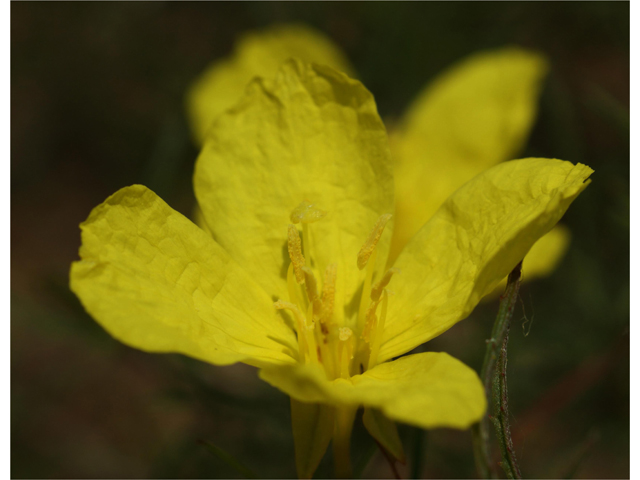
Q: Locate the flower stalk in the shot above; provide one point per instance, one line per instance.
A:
(501, 418)
(480, 431)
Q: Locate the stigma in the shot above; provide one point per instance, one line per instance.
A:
(342, 346)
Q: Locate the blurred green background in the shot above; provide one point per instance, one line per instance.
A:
(97, 103)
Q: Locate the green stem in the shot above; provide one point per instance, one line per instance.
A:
(480, 431)
(501, 417)
(480, 438)
(342, 441)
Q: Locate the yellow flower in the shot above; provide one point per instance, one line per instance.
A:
(473, 116)
(296, 187)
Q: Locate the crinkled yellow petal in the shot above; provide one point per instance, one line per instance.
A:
(312, 431)
(257, 54)
(473, 116)
(429, 390)
(312, 135)
(472, 242)
(157, 282)
(543, 257)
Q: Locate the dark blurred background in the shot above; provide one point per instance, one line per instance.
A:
(97, 103)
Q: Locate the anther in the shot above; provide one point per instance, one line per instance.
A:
(329, 292)
(295, 253)
(370, 245)
(306, 212)
(376, 290)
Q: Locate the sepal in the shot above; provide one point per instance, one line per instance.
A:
(312, 431)
(385, 432)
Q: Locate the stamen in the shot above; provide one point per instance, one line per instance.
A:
(346, 347)
(366, 291)
(312, 291)
(326, 350)
(306, 212)
(370, 245)
(344, 333)
(377, 335)
(311, 338)
(370, 320)
(306, 243)
(295, 253)
(376, 290)
(329, 293)
(300, 325)
(292, 286)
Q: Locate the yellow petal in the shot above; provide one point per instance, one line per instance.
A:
(257, 54)
(384, 431)
(474, 240)
(473, 116)
(429, 390)
(157, 282)
(312, 135)
(198, 218)
(312, 431)
(546, 253)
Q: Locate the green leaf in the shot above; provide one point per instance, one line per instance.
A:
(228, 459)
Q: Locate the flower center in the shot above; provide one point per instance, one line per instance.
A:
(341, 350)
